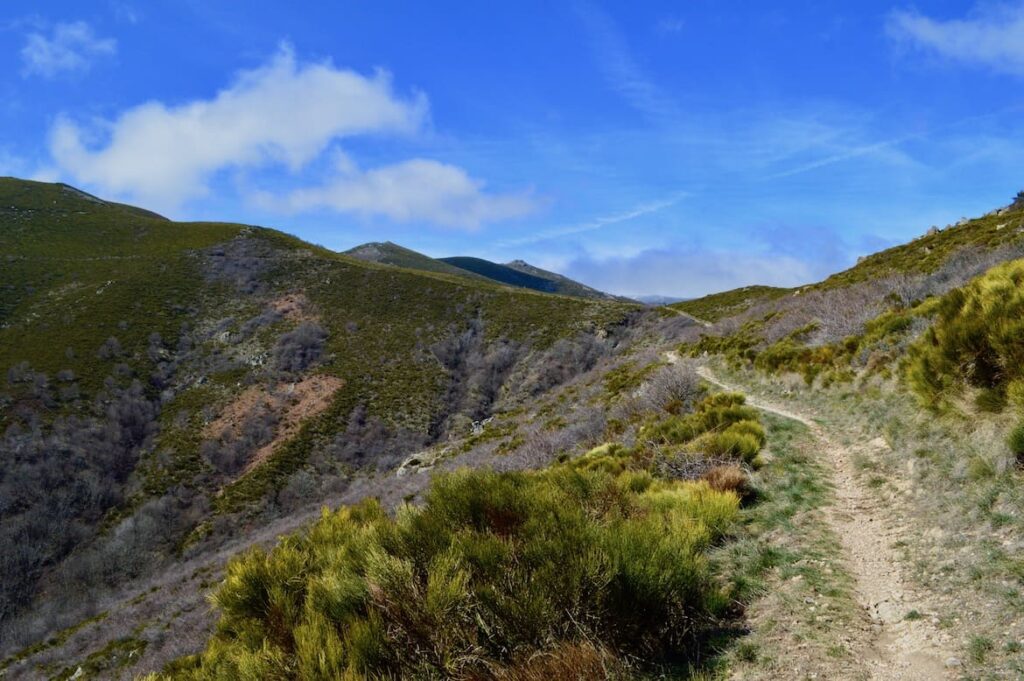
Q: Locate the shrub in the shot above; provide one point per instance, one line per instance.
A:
(1015, 441)
(730, 443)
(977, 339)
(716, 412)
(300, 348)
(1015, 395)
(524, 573)
(673, 388)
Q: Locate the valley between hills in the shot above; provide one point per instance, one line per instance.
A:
(228, 453)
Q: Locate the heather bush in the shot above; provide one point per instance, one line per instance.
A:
(495, 570)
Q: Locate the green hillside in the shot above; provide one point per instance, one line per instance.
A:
(125, 338)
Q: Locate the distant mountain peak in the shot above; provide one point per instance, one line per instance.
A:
(517, 273)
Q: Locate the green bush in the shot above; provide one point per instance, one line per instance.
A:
(716, 412)
(730, 442)
(1015, 441)
(977, 339)
(493, 569)
(1015, 395)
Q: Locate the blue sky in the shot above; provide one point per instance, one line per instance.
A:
(643, 148)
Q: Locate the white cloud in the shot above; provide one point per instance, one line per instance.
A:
(413, 190)
(281, 113)
(993, 35)
(69, 47)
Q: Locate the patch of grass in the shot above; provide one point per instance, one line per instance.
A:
(117, 654)
(1015, 441)
(978, 648)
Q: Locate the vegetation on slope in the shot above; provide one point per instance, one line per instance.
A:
(124, 335)
(860, 320)
(930, 252)
(976, 341)
(517, 273)
(716, 306)
(595, 564)
(502, 273)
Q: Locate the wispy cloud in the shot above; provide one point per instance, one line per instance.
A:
(888, 148)
(992, 35)
(845, 155)
(69, 47)
(639, 210)
(624, 75)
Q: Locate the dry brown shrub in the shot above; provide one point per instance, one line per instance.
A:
(729, 478)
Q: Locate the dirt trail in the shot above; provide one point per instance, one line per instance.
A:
(908, 650)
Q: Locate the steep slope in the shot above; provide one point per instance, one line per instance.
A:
(162, 378)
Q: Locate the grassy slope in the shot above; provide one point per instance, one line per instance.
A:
(921, 256)
(927, 253)
(76, 272)
(716, 306)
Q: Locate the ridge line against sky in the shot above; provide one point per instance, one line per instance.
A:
(656, 150)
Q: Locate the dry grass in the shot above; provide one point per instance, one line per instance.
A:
(729, 478)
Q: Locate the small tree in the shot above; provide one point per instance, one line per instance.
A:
(1018, 202)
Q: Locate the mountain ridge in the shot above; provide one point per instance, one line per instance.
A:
(517, 273)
